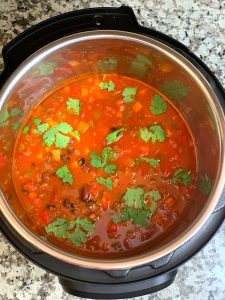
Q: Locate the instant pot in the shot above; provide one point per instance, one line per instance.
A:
(83, 33)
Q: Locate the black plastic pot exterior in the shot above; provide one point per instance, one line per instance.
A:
(119, 283)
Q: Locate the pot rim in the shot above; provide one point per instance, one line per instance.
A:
(142, 258)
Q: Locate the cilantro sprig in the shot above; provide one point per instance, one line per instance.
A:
(64, 174)
(134, 197)
(182, 176)
(108, 64)
(109, 86)
(73, 106)
(102, 161)
(140, 65)
(154, 132)
(152, 161)
(46, 68)
(129, 94)
(158, 105)
(114, 136)
(174, 90)
(136, 209)
(138, 217)
(26, 129)
(106, 182)
(41, 129)
(56, 135)
(77, 231)
(205, 184)
(6, 114)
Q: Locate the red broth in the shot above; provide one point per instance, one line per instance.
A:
(104, 164)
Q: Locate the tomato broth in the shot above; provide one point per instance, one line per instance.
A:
(104, 164)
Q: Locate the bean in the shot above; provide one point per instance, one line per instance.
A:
(64, 158)
(127, 243)
(50, 207)
(81, 162)
(72, 205)
(105, 247)
(85, 193)
(66, 203)
(130, 234)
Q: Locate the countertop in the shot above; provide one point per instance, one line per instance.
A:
(200, 25)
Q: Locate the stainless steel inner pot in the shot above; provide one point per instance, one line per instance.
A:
(201, 109)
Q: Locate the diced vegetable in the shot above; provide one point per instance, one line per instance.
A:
(82, 126)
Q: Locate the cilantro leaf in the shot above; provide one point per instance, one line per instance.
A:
(78, 237)
(107, 154)
(105, 182)
(15, 112)
(109, 86)
(16, 125)
(64, 127)
(4, 118)
(46, 68)
(36, 121)
(154, 195)
(158, 105)
(174, 90)
(73, 106)
(137, 216)
(144, 134)
(110, 168)
(157, 133)
(64, 173)
(114, 136)
(26, 129)
(109, 64)
(102, 161)
(96, 160)
(129, 94)
(205, 184)
(152, 161)
(183, 176)
(85, 224)
(61, 141)
(58, 227)
(54, 135)
(76, 134)
(140, 65)
(134, 197)
(76, 230)
(49, 137)
(41, 128)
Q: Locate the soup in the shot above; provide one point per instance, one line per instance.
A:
(104, 165)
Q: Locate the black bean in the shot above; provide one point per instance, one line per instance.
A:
(51, 206)
(64, 158)
(72, 205)
(66, 203)
(85, 193)
(81, 162)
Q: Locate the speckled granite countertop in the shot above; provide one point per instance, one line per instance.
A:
(200, 25)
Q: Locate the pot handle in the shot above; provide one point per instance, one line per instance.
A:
(32, 39)
(121, 290)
